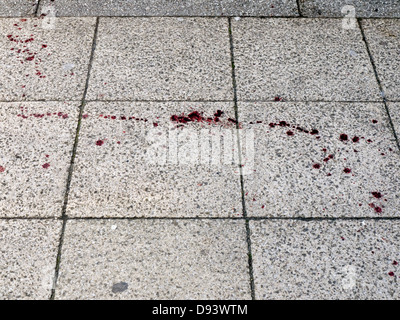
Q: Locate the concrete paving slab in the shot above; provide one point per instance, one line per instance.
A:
(352, 8)
(383, 37)
(180, 59)
(154, 259)
(28, 258)
(17, 8)
(301, 59)
(326, 259)
(44, 58)
(174, 8)
(35, 154)
(320, 160)
(134, 159)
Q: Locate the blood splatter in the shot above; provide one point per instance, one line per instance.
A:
(343, 137)
(346, 170)
(376, 194)
(99, 142)
(46, 165)
(2, 169)
(316, 166)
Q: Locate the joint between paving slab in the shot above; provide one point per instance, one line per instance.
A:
(235, 103)
(37, 8)
(299, 8)
(379, 83)
(71, 168)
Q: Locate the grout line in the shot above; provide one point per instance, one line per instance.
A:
(379, 83)
(71, 168)
(212, 16)
(235, 102)
(37, 9)
(203, 101)
(207, 218)
(299, 8)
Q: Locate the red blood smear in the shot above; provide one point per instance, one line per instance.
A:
(155, 124)
(374, 121)
(314, 131)
(347, 170)
(99, 142)
(195, 116)
(2, 169)
(330, 156)
(326, 159)
(218, 113)
(85, 116)
(369, 140)
(377, 195)
(65, 116)
(46, 165)
(316, 166)
(44, 46)
(113, 117)
(372, 205)
(395, 263)
(391, 273)
(343, 137)
(272, 124)
(30, 58)
(283, 123)
(324, 150)
(290, 133)
(277, 99)
(355, 139)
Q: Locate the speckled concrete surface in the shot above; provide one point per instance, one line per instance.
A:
(383, 36)
(180, 59)
(362, 8)
(28, 258)
(43, 58)
(134, 167)
(299, 174)
(326, 259)
(35, 153)
(17, 8)
(124, 128)
(154, 259)
(174, 8)
(301, 59)
(394, 109)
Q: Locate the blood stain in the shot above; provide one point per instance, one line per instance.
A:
(46, 165)
(343, 137)
(316, 166)
(347, 170)
(376, 194)
(99, 142)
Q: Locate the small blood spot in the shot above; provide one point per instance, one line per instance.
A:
(343, 137)
(377, 195)
(347, 170)
(391, 273)
(316, 166)
(355, 139)
(46, 165)
(99, 142)
(2, 169)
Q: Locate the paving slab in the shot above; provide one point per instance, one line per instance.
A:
(17, 8)
(326, 259)
(134, 160)
(28, 258)
(44, 58)
(394, 109)
(180, 59)
(301, 59)
(35, 154)
(383, 37)
(320, 160)
(154, 259)
(352, 8)
(173, 8)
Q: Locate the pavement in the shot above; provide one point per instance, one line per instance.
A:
(199, 149)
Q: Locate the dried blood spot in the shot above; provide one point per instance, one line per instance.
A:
(155, 124)
(355, 139)
(46, 165)
(371, 205)
(2, 169)
(30, 58)
(374, 121)
(343, 137)
(290, 133)
(99, 142)
(347, 170)
(391, 273)
(378, 209)
(85, 116)
(316, 166)
(377, 195)
(395, 263)
(314, 131)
